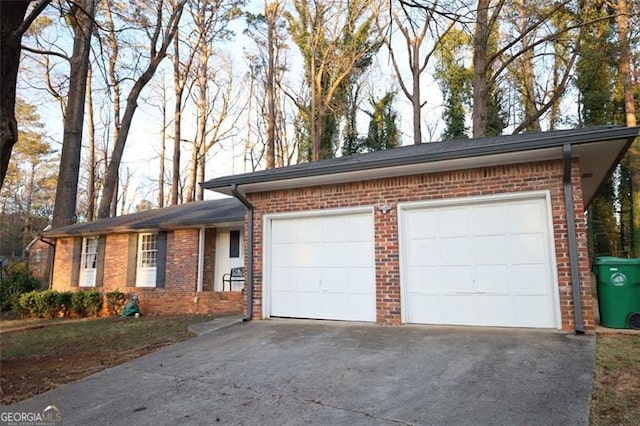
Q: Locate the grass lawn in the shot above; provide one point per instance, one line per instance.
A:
(616, 383)
(34, 360)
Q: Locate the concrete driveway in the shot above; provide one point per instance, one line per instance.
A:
(284, 372)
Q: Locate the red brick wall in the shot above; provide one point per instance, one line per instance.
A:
(179, 296)
(39, 257)
(484, 181)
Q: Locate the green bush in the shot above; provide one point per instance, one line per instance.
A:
(12, 287)
(92, 303)
(64, 302)
(47, 304)
(27, 305)
(77, 303)
(116, 301)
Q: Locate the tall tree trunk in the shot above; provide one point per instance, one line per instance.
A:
(11, 17)
(64, 211)
(178, 89)
(202, 121)
(416, 105)
(91, 160)
(271, 16)
(480, 62)
(163, 146)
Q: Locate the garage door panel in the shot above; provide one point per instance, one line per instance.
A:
(456, 279)
(528, 248)
(283, 254)
(358, 307)
(423, 252)
(284, 279)
(455, 251)
(309, 230)
(425, 309)
(492, 279)
(334, 228)
(424, 280)
(452, 222)
(530, 279)
(308, 279)
(488, 220)
(458, 309)
(359, 228)
(334, 306)
(480, 264)
(526, 217)
(495, 311)
(309, 255)
(282, 232)
(284, 302)
(361, 254)
(335, 254)
(423, 224)
(490, 250)
(360, 280)
(533, 311)
(335, 279)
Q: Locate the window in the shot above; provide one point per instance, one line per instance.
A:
(90, 255)
(38, 256)
(148, 251)
(234, 244)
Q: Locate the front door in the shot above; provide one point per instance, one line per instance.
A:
(229, 254)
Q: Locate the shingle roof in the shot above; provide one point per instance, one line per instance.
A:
(599, 149)
(189, 215)
(430, 152)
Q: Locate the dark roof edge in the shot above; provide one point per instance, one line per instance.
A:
(542, 141)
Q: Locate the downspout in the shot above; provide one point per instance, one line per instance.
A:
(201, 236)
(249, 206)
(50, 260)
(571, 233)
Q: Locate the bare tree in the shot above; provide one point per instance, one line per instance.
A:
(161, 33)
(416, 24)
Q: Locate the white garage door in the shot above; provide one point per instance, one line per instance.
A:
(322, 267)
(483, 264)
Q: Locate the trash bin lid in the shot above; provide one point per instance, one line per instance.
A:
(612, 260)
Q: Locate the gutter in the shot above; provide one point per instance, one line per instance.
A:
(249, 206)
(571, 233)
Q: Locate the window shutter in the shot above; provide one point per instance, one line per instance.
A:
(132, 257)
(102, 240)
(161, 259)
(76, 261)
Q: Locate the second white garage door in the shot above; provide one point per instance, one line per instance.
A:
(481, 263)
(321, 267)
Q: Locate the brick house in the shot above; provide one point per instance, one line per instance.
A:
(173, 258)
(40, 260)
(466, 232)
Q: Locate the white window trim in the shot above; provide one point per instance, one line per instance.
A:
(83, 259)
(146, 275)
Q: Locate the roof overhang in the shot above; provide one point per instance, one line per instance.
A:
(598, 151)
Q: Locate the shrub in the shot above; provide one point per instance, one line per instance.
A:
(47, 304)
(116, 301)
(64, 302)
(15, 285)
(92, 303)
(77, 303)
(27, 304)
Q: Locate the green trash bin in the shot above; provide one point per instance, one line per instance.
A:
(618, 284)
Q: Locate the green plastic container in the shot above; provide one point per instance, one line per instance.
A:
(618, 284)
